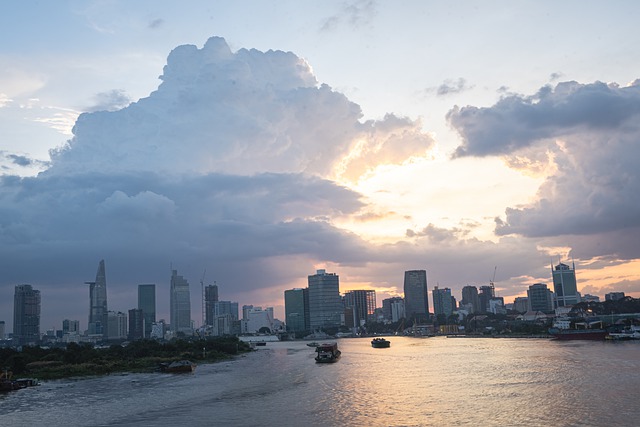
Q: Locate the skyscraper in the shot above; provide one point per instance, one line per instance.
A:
(296, 309)
(470, 298)
(180, 304)
(325, 304)
(137, 324)
(363, 303)
(393, 308)
(26, 315)
(98, 313)
(487, 293)
(416, 296)
(442, 302)
(565, 285)
(147, 303)
(210, 298)
(540, 298)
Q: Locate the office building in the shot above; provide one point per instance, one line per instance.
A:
(296, 310)
(224, 308)
(565, 285)
(393, 309)
(210, 298)
(26, 315)
(325, 303)
(487, 293)
(442, 302)
(416, 295)
(98, 312)
(137, 325)
(70, 326)
(256, 320)
(180, 304)
(614, 296)
(117, 325)
(363, 303)
(540, 298)
(2, 332)
(147, 303)
(470, 299)
(521, 304)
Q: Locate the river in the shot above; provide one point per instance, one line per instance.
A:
(416, 382)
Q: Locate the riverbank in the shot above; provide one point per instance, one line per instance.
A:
(81, 360)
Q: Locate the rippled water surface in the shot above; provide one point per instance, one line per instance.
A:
(417, 382)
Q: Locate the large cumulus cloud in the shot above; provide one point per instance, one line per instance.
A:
(226, 166)
(590, 136)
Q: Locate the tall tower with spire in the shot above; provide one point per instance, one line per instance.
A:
(98, 312)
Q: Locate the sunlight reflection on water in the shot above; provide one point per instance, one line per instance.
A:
(417, 382)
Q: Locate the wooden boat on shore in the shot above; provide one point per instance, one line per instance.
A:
(327, 353)
(178, 367)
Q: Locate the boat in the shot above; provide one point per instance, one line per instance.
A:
(312, 344)
(261, 343)
(380, 343)
(632, 333)
(578, 334)
(327, 353)
(178, 367)
(7, 383)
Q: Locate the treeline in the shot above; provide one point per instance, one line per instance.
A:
(622, 306)
(136, 356)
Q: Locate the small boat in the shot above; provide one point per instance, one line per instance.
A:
(261, 343)
(178, 367)
(312, 344)
(327, 353)
(632, 333)
(380, 343)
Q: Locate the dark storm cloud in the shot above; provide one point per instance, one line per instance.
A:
(517, 121)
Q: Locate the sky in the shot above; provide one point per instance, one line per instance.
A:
(250, 143)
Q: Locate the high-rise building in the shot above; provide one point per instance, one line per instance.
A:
(98, 313)
(70, 326)
(1, 329)
(180, 304)
(487, 293)
(416, 295)
(117, 328)
(363, 303)
(26, 315)
(540, 298)
(210, 297)
(521, 304)
(470, 298)
(224, 308)
(565, 285)
(442, 301)
(614, 296)
(393, 308)
(296, 309)
(325, 304)
(137, 325)
(147, 303)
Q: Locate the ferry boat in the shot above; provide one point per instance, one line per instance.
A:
(583, 330)
(380, 343)
(327, 353)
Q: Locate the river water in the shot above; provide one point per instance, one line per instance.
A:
(417, 382)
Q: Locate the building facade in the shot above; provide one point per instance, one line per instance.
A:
(325, 304)
(416, 295)
(296, 310)
(180, 304)
(470, 299)
(117, 325)
(137, 325)
(442, 302)
(98, 312)
(210, 298)
(393, 309)
(487, 293)
(363, 303)
(540, 298)
(26, 315)
(147, 303)
(565, 285)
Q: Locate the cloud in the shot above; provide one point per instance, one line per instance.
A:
(110, 101)
(355, 14)
(452, 87)
(226, 166)
(584, 137)
(4, 100)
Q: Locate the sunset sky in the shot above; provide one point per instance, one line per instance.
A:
(254, 142)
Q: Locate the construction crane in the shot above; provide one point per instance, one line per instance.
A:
(492, 282)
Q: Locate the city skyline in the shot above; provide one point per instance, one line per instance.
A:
(361, 137)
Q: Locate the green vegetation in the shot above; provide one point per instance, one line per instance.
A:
(137, 356)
